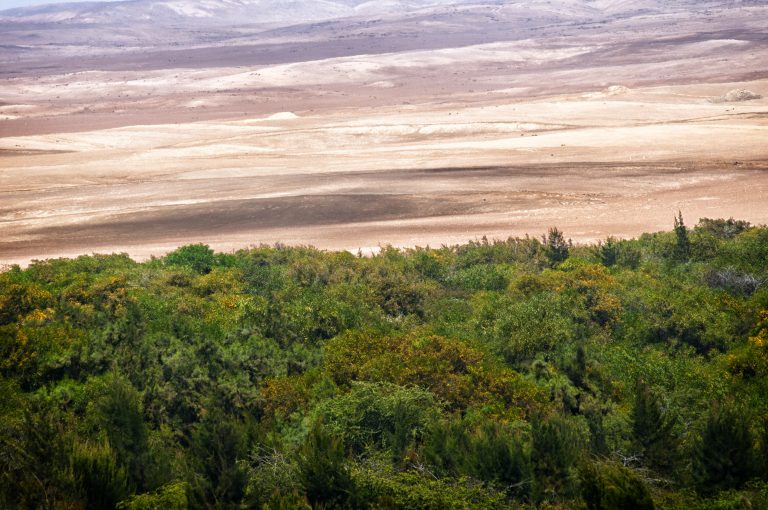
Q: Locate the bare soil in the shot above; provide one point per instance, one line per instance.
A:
(600, 130)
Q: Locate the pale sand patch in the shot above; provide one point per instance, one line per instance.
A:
(383, 84)
(283, 116)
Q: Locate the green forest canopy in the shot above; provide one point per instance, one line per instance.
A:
(630, 374)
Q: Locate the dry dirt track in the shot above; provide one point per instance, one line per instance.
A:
(599, 135)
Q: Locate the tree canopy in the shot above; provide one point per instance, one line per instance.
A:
(508, 374)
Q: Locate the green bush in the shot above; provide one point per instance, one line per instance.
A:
(723, 459)
(323, 471)
(557, 444)
(98, 475)
(472, 376)
(409, 490)
(381, 415)
(484, 451)
(199, 257)
(169, 497)
(480, 277)
(610, 486)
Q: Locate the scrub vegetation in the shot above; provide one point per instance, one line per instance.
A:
(632, 374)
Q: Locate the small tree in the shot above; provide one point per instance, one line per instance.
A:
(723, 459)
(199, 257)
(323, 471)
(682, 250)
(608, 252)
(556, 248)
(556, 447)
(118, 411)
(100, 478)
(761, 454)
(652, 427)
(487, 452)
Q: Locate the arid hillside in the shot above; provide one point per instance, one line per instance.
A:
(143, 125)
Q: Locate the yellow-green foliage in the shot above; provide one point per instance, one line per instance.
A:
(514, 373)
(456, 373)
(169, 497)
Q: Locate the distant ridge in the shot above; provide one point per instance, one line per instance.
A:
(211, 11)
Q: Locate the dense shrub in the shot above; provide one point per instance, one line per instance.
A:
(610, 486)
(496, 374)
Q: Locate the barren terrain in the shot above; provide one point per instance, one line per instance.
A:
(430, 128)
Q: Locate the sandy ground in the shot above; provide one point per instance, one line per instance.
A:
(597, 132)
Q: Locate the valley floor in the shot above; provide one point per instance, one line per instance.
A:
(604, 133)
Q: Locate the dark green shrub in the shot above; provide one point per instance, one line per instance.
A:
(220, 443)
(98, 475)
(378, 414)
(608, 252)
(323, 471)
(411, 490)
(721, 228)
(723, 458)
(484, 451)
(682, 249)
(610, 486)
(556, 248)
(652, 426)
(480, 277)
(169, 497)
(199, 257)
(558, 442)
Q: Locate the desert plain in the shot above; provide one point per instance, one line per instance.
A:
(422, 127)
